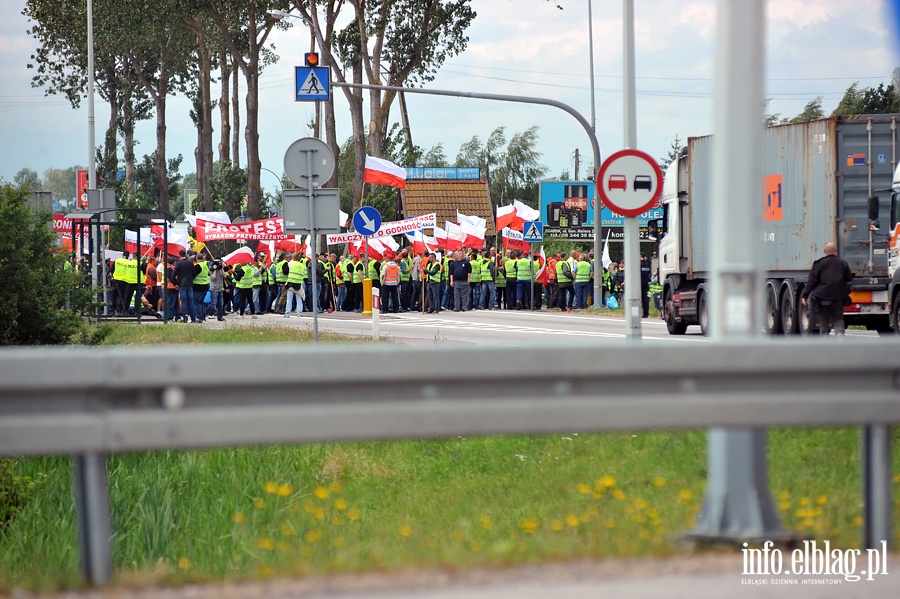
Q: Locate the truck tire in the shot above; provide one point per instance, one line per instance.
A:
(789, 310)
(703, 314)
(772, 324)
(895, 313)
(674, 327)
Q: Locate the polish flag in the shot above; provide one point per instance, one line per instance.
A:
(384, 172)
(242, 255)
(291, 244)
(474, 236)
(513, 240)
(506, 217)
(455, 237)
(344, 218)
(475, 221)
(440, 236)
(525, 212)
(542, 276)
(421, 243)
(131, 239)
(178, 239)
(308, 250)
(213, 217)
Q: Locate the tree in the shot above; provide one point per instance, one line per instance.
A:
(28, 179)
(61, 183)
(31, 304)
(880, 100)
(672, 156)
(812, 111)
(770, 119)
(391, 43)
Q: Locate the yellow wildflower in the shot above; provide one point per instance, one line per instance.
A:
(557, 525)
(353, 514)
(320, 513)
(340, 504)
(659, 481)
(321, 492)
(405, 530)
(312, 536)
(259, 504)
(287, 530)
(184, 563)
(618, 494)
(583, 488)
(685, 495)
(271, 487)
(265, 543)
(284, 490)
(529, 525)
(335, 487)
(821, 500)
(572, 521)
(607, 481)
(485, 521)
(238, 517)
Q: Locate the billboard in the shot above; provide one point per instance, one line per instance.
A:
(567, 209)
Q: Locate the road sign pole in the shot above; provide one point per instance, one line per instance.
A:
(531, 270)
(312, 244)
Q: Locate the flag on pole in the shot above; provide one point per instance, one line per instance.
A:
(474, 236)
(455, 237)
(513, 240)
(506, 216)
(475, 221)
(440, 235)
(525, 212)
(542, 275)
(384, 172)
(242, 255)
(605, 259)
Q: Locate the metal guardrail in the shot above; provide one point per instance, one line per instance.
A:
(88, 402)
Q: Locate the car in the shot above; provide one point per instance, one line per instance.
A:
(617, 182)
(643, 182)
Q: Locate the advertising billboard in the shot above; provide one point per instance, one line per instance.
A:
(567, 209)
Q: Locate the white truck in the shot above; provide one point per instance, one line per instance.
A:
(821, 183)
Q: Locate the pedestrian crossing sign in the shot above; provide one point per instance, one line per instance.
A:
(312, 83)
(533, 231)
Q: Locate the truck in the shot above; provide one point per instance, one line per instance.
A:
(824, 180)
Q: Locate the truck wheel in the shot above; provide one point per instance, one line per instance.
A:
(674, 327)
(703, 314)
(772, 325)
(895, 313)
(788, 311)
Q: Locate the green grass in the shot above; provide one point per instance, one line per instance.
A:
(342, 507)
(182, 334)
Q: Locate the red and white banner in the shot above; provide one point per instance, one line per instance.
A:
(513, 240)
(474, 235)
(131, 240)
(421, 243)
(384, 172)
(267, 228)
(398, 227)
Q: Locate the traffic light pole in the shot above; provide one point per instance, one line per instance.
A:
(595, 146)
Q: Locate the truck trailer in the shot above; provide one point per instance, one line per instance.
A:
(820, 183)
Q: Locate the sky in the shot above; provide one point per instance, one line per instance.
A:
(516, 47)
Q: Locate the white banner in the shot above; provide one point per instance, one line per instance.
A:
(393, 228)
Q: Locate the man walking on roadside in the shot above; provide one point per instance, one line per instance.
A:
(827, 289)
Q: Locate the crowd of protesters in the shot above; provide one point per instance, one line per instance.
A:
(198, 287)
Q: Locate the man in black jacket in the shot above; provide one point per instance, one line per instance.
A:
(827, 288)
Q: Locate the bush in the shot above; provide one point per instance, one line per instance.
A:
(34, 284)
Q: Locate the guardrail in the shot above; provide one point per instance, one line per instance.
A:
(89, 402)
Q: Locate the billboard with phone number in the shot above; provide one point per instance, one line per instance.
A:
(567, 209)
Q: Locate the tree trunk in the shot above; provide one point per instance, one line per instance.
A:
(236, 107)
(162, 177)
(205, 158)
(128, 135)
(224, 110)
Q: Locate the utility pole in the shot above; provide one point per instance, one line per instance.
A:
(577, 163)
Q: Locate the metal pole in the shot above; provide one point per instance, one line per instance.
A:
(591, 56)
(632, 241)
(876, 482)
(312, 245)
(738, 505)
(93, 514)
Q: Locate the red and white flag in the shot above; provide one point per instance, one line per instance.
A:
(440, 236)
(242, 255)
(525, 212)
(506, 217)
(455, 237)
(384, 172)
(513, 240)
(474, 235)
(542, 275)
(475, 221)
(421, 243)
(131, 239)
(344, 219)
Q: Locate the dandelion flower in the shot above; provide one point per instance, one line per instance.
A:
(259, 504)
(238, 517)
(335, 487)
(405, 530)
(265, 543)
(529, 525)
(312, 536)
(858, 522)
(353, 514)
(340, 504)
(583, 489)
(618, 494)
(821, 500)
(685, 495)
(804, 501)
(320, 513)
(287, 530)
(659, 481)
(322, 493)
(271, 487)
(184, 563)
(572, 521)
(284, 490)
(485, 521)
(557, 525)
(608, 481)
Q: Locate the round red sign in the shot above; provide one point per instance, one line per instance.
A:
(629, 182)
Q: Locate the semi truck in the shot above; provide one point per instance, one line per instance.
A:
(825, 180)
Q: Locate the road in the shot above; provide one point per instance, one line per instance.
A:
(484, 327)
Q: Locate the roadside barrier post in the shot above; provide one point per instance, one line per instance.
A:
(367, 297)
(376, 310)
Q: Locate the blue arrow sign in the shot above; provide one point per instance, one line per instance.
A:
(312, 83)
(533, 231)
(367, 221)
